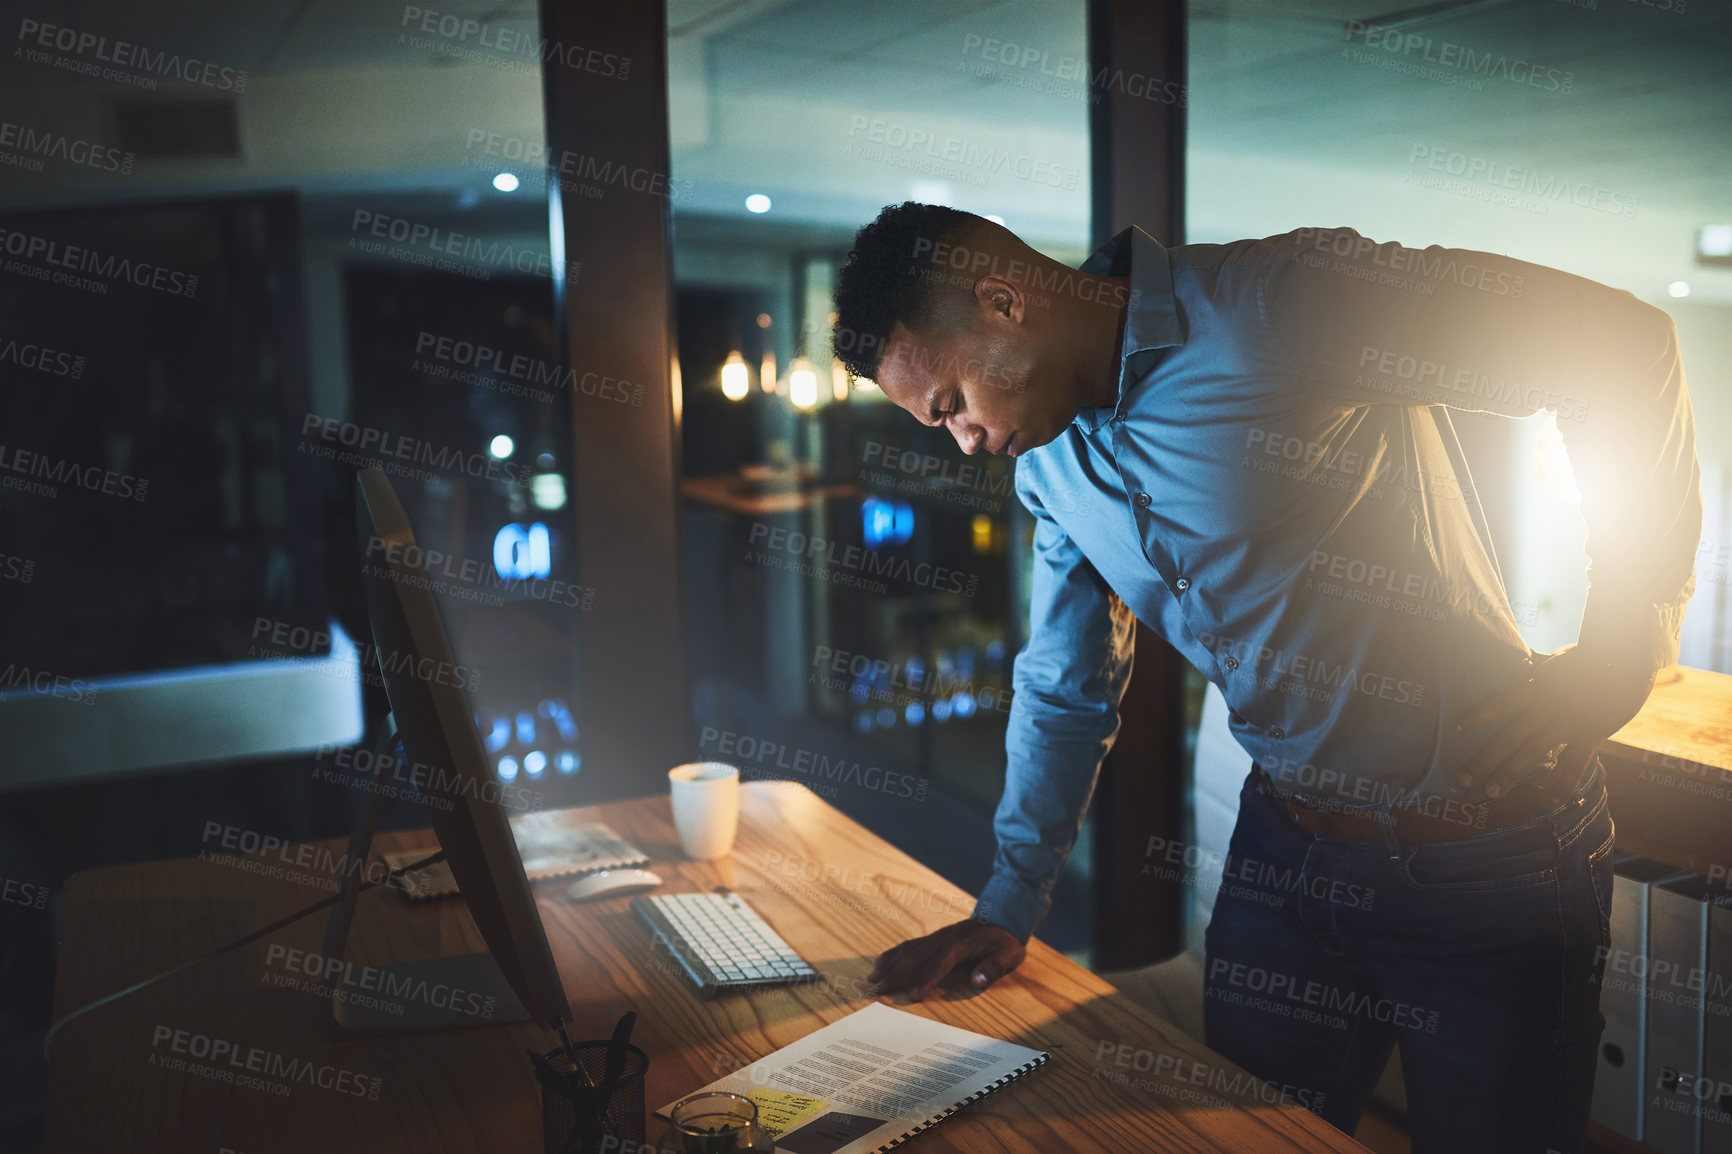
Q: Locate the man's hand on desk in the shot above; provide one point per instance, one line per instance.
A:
(1570, 702)
(988, 951)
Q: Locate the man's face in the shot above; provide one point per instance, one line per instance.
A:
(988, 379)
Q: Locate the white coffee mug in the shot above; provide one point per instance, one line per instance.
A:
(706, 797)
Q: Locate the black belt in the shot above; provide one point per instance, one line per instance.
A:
(1321, 817)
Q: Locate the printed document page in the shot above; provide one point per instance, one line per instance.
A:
(860, 1084)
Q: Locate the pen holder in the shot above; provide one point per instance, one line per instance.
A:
(574, 1119)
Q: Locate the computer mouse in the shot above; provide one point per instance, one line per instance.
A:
(606, 883)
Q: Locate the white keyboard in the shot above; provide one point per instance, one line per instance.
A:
(720, 942)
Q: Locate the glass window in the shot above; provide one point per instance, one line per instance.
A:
(859, 583)
(275, 243)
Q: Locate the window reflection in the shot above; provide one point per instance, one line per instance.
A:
(859, 585)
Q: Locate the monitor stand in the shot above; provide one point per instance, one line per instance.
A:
(455, 992)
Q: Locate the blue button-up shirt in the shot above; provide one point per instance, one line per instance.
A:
(1278, 492)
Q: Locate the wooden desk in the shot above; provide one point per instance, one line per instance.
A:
(1669, 772)
(838, 894)
(1688, 718)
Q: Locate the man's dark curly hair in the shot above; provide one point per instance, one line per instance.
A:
(890, 278)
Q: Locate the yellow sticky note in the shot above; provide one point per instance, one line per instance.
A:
(780, 1111)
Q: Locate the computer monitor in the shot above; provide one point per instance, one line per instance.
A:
(437, 729)
(169, 533)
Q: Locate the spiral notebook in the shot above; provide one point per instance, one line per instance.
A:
(872, 1081)
(549, 848)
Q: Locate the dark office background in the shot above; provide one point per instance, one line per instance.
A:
(283, 195)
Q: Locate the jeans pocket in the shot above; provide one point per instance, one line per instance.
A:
(1479, 866)
(1600, 873)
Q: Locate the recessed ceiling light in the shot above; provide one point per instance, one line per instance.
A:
(757, 202)
(1715, 240)
(502, 446)
(1678, 288)
(505, 182)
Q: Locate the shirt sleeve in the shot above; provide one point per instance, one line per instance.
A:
(1068, 682)
(1378, 323)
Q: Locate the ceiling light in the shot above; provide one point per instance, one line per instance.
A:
(757, 202)
(802, 384)
(505, 182)
(1716, 240)
(1678, 288)
(547, 490)
(736, 379)
(502, 446)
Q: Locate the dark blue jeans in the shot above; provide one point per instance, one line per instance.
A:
(1478, 957)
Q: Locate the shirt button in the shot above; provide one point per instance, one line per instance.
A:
(1183, 584)
(1144, 500)
(1231, 663)
(1277, 733)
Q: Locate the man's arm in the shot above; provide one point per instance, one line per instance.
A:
(1069, 680)
(1382, 324)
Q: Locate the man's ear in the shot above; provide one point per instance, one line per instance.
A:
(1001, 297)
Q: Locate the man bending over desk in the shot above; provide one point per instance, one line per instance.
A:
(1248, 448)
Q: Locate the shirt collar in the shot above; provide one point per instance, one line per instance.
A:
(1153, 322)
